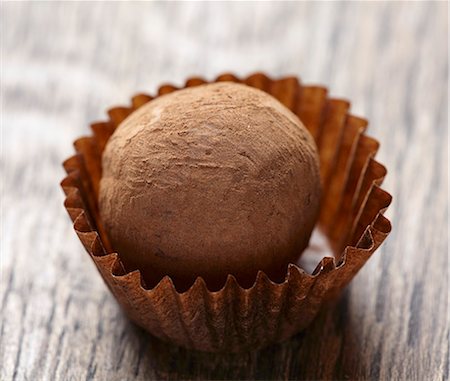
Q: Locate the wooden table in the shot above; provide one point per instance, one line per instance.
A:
(65, 63)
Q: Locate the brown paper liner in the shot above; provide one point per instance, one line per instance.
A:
(235, 318)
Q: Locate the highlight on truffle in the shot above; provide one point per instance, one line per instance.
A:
(208, 181)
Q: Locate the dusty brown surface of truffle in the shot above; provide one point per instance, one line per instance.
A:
(208, 181)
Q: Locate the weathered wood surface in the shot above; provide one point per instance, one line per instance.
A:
(65, 63)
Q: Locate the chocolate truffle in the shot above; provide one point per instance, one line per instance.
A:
(208, 181)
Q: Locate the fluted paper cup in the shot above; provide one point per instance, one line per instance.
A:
(350, 228)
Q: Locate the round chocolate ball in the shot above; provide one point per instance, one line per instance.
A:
(208, 181)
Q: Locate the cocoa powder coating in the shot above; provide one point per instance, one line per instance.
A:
(208, 181)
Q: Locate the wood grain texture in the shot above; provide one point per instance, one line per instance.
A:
(63, 64)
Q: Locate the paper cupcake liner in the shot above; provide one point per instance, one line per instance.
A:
(235, 318)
